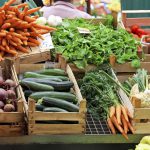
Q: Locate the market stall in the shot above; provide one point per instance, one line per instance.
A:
(80, 81)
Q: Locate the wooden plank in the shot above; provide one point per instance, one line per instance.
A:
(142, 128)
(71, 116)
(138, 21)
(124, 77)
(142, 113)
(76, 87)
(11, 130)
(127, 67)
(11, 117)
(57, 129)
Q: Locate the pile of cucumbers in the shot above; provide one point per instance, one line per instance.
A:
(51, 89)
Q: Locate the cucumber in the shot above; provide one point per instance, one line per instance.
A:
(39, 107)
(27, 93)
(53, 102)
(53, 72)
(53, 109)
(37, 75)
(60, 95)
(58, 86)
(36, 86)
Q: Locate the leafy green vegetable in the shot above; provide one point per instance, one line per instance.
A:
(136, 63)
(96, 47)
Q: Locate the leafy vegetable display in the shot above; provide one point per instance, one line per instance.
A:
(103, 102)
(96, 47)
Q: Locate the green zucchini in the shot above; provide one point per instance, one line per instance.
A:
(37, 75)
(60, 95)
(53, 72)
(54, 102)
(39, 107)
(36, 86)
(27, 93)
(58, 86)
(53, 109)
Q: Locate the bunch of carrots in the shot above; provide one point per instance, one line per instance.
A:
(119, 118)
(18, 29)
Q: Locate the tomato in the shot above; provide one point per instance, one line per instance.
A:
(134, 28)
(141, 32)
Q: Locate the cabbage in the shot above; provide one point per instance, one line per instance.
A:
(54, 20)
(41, 21)
(142, 147)
(145, 140)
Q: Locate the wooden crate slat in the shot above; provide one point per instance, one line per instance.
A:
(142, 128)
(123, 77)
(11, 117)
(142, 113)
(57, 129)
(138, 21)
(71, 116)
(11, 130)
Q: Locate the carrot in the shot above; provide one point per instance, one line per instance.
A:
(33, 10)
(11, 52)
(19, 36)
(25, 10)
(43, 27)
(29, 19)
(12, 20)
(9, 16)
(2, 48)
(111, 111)
(111, 126)
(17, 40)
(4, 43)
(36, 16)
(13, 43)
(23, 33)
(43, 31)
(125, 125)
(25, 42)
(22, 5)
(114, 121)
(1, 55)
(7, 4)
(124, 112)
(11, 13)
(8, 37)
(118, 113)
(131, 127)
(22, 49)
(34, 41)
(11, 29)
(5, 26)
(39, 35)
(32, 44)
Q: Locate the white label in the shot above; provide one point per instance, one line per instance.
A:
(47, 42)
(83, 30)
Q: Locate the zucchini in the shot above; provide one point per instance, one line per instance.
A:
(39, 107)
(60, 95)
(36, 86)
(53, 109)
(58, 86)
(53, 72)
(27, 93)
(53, 102)
(37, 75)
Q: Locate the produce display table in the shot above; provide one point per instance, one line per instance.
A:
(70, 139)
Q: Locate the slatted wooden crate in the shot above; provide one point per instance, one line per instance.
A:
(12, 123)
(78, 118)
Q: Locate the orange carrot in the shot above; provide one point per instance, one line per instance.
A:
(12, 43)
(43, 31)
(34, 41)
(114, 121)
(11, 29)
(22, 5)
(2, 34)
(4, 43)
(125, 125)
(43, 27)
(124, 112)
(17, 40)
(111, 111)
(22, 49)
(32, 44)
(33, 10)
(36, 16)
(111, 126)
(1, 55)
(25, 42)
(5, 26)
(131, 127)
(29, 19)
(118, 113)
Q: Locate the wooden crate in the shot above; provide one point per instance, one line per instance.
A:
(79, 117)
(12, 123)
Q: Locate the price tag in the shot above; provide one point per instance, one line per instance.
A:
(47, 42)
(83, 30)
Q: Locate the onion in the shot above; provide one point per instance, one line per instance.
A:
(2, 105)
(9, 108)
(9, 83)
(11, 94)
(3, 94)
